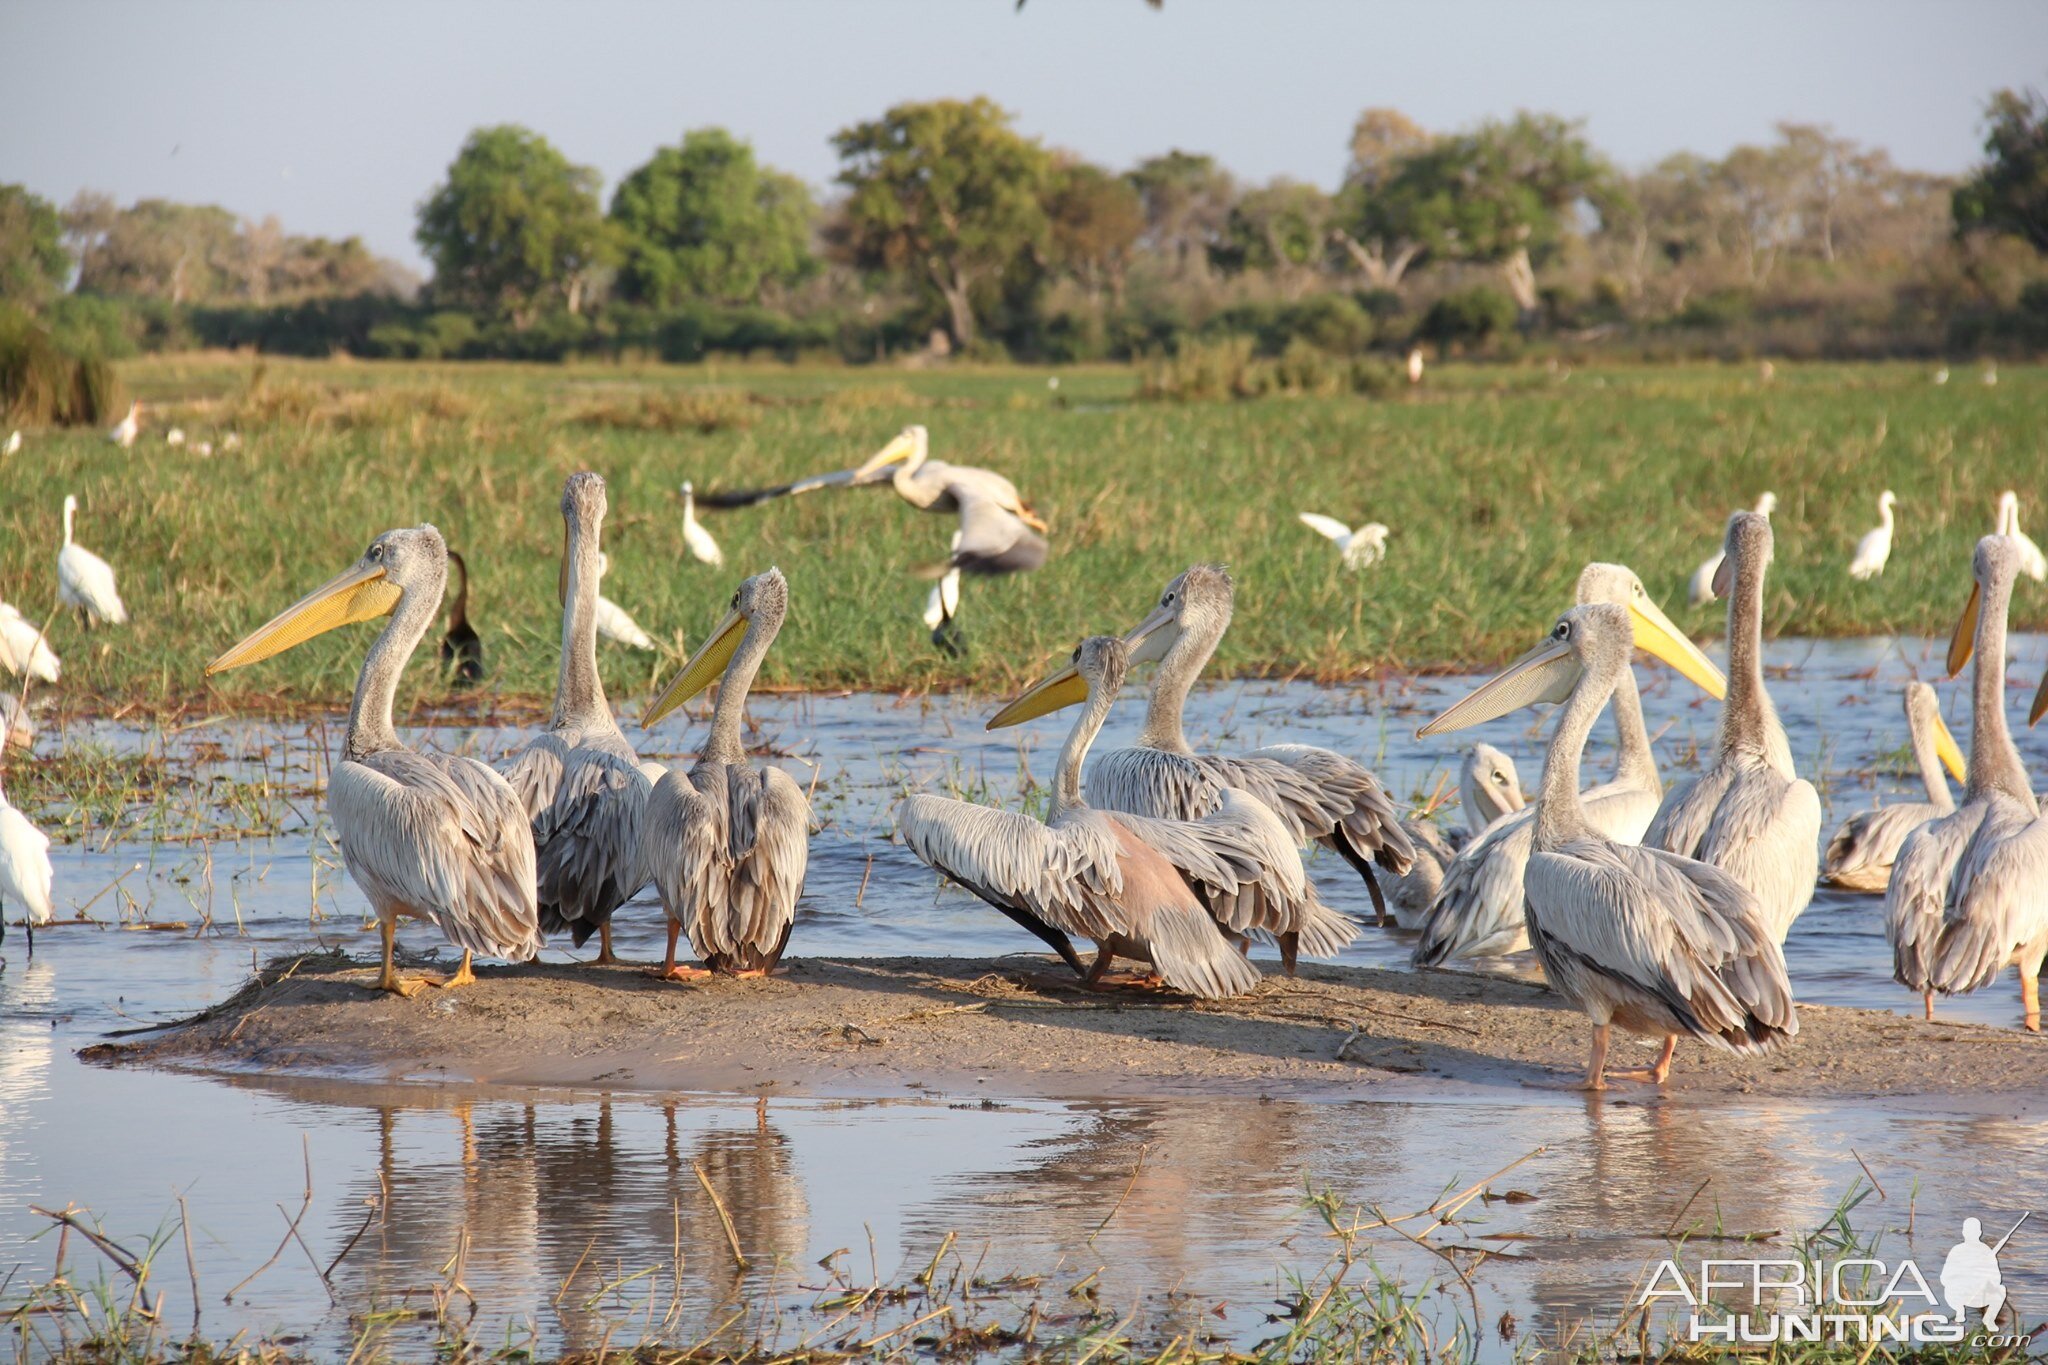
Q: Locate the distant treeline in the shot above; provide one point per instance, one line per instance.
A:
(950, 232)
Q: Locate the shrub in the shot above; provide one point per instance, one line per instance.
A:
(44, 384)
(1472, 316)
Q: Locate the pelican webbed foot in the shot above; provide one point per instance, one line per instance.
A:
(680, 972)
(1655, 1074)
(462, 976)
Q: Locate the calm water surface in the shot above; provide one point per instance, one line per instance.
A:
(565, 1215)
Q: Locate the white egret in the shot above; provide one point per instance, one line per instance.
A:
(1876, 546)
(1360, 549)
(85, 582)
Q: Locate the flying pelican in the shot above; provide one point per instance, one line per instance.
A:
(579, 781)
(694, 535)
(612, 621)
(2032, 562)
(1876, 546)
(462, 650)
(1969, 892)
(1747, 812)
(1478, 909)
(175, 436)
(1861, 854)
(1632, 935)
(128, 428)
(999, 533)
(1280, 902)
(25, 875)
(427, 836)
(24, 649)
(941, 608)
(13, 444)
(1320, 795)
(1139, 888)
(1699, 590)
(85, 581)
(1488, 788)
(727, 842)
(1361, 549)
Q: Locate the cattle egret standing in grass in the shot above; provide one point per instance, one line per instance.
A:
(231, 441)
(1700, 589)
(129, 427)
(1876, 546)
(612, 621)
(1991, 375)
(1415, 365)
(85, 581)
(2032, 562)
(1361, 549)
(694, 535)
(25, 876)
(204, 448)
(1941, 375)
(175, 436)
(23, 648)
(14, 444)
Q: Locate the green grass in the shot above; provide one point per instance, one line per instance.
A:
(1498, 484)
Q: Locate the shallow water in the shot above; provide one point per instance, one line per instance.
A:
(527, 1190)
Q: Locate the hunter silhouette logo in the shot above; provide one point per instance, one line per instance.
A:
(1856, 1299)
(1969, 1277)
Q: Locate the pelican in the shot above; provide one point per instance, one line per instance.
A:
(1478, 909)
(1139, 888)
(128, 428)
(999, 533)
(941, 608)
(1860, 855)
(1747, 812)
(427, 836)
(727, 842)
(1699, 590)
(2032, 562)
(25, 875)
(694, 535)
(612, 620)
(1969, 893)
(1632, 935)
(175, 436)
(24, 649)
(462, 651)
(1360, 549)
(1876, 546)
(1488, 788)
(1319, 795)
(579, 781)
(85, 581)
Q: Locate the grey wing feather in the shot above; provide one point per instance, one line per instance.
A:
(1998, 899)
(1916, 899)
(444, 837)
(1247, 868)
(1152, 782)
(728, 846)
(1065, 875)
(1322, 796)
(1409, 895)
(1863, 849)
(1626, 930)
(993, 539)
(1477, 911)
(1763, 829)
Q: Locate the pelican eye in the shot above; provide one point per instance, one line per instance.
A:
(376, 552)
(1563, 631)
(1501, 778)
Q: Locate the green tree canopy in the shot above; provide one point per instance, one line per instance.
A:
(2009, 192)
(34, 266)
(515, 226)
(945, 194)
(1096, 219)
(1282, 227)
(1187, 199)
(1382, 141)
(704, 220)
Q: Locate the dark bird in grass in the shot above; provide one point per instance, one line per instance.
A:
(462, 652)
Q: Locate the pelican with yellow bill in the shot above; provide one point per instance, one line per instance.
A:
(1969, 893)
(436, 837)
(728, 841)
(1861, 853)
(1640, 939)
(1476, 911)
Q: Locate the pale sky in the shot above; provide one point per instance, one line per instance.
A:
(339, 117)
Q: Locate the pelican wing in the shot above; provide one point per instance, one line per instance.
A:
(993, 538)
(1477, 911)
(1762, 829)
(748, 497)
(1066, 875)
(1653, 933)
(585, 803)
(1865, 847)
(1998, 898)
(444, 837)
(1165, 786)
(728, 845)
(1246, 866)
(1323, 796)
(1916, 899)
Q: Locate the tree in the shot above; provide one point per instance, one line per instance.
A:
(1382, 141)
(34, 266)
(182, 253)
(515, 224)
(1503, 194)
(1283, 228)
(1186, 198)
(2009, 192)
(1096, 219)
(704, 220)
(944, 193)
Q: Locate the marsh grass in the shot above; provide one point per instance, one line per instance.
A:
(1498, 484)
